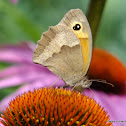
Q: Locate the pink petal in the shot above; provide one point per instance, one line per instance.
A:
(20, 79)
(0, 121)
(17, 53)
(114, 104)
(14, 1)
(5, 102)
(28, 75)
(20, 69)
(24, 45)
(35, 85)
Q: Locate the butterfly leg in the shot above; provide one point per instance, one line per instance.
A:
(54, 83)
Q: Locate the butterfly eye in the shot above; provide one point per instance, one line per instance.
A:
(77, 27)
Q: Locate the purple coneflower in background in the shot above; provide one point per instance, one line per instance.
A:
(14, 1)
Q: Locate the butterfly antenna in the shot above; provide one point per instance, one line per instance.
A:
(103, 81)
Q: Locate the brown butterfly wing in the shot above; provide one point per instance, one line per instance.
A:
(60, 51)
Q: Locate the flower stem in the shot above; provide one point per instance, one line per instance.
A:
(94, 15)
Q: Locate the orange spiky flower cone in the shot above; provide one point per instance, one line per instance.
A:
(54, 107)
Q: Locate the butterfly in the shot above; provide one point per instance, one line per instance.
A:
(66, 49)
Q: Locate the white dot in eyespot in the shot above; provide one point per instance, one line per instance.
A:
(78, 26)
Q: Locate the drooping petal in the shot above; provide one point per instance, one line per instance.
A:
(4, 102)
(27, 75)
(26, 45)
(21, 53)
(105, 66)
(22, 68)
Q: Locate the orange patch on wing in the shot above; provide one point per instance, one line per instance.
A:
(86, 53)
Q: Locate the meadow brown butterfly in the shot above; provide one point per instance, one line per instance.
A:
(66, 49)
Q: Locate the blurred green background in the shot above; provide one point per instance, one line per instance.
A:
(27, 19)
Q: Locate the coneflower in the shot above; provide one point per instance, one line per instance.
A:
(54, 107)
